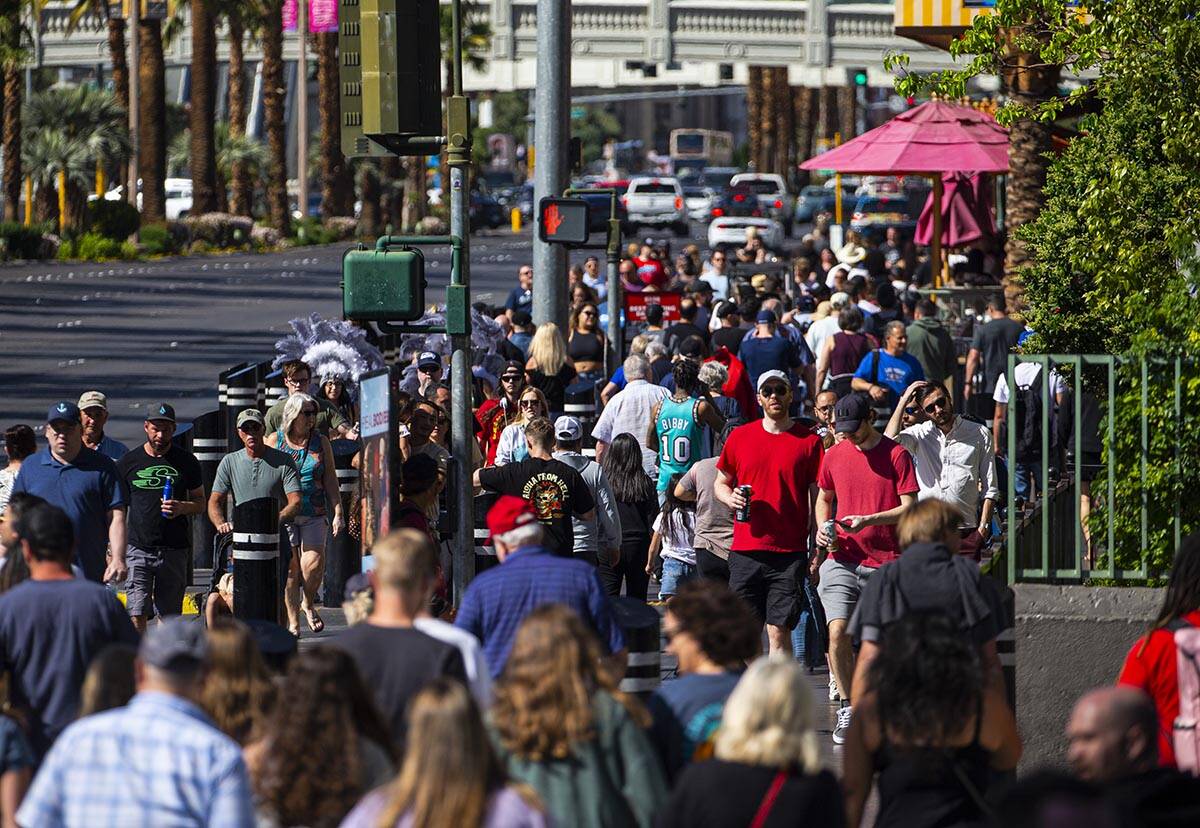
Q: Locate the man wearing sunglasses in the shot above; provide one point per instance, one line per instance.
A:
(496, 414)
(778, 458)
(953, 458)
(297, 378)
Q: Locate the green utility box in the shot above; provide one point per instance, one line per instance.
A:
(383, 285)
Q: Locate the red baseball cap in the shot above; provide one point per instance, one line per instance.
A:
(507, 514)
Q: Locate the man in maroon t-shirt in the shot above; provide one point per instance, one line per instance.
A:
(873, 481)
(779, 458)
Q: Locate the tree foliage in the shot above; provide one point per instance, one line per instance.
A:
(1115, 250)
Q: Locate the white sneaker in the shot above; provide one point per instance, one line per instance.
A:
(834, 695)
(843, 725)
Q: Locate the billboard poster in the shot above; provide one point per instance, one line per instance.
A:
(377, 463)
(635, 306)
(322, 15)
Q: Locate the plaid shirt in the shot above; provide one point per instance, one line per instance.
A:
(156, 762)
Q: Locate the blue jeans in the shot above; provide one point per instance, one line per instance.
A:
(674, 573)
(1022, 487)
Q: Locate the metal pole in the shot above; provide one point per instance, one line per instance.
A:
(616, 334)
(135, 14)
(462, 432)
(935, 246)
(551, 135)
(302, 106)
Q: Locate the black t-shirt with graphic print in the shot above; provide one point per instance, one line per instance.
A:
(144, 477)
(555, 490)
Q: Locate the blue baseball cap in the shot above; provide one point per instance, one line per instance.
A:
(65, 410)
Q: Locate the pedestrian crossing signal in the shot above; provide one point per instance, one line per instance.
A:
(563, 220)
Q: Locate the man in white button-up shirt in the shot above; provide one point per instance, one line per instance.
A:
(953, 457)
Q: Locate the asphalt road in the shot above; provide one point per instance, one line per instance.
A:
(148, 332)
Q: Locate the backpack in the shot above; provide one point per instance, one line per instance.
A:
(1186, 728)
(808, 639)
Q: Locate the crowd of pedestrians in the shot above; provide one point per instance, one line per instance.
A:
(762, 461)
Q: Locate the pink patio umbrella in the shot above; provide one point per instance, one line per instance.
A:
(966, 211)
(933, 138)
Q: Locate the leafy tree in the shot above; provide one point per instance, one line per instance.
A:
(1113, 256)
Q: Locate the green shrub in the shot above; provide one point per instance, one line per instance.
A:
(158, 240)
(93, 247)
(311, 231)
(19, 242)
(113, 219)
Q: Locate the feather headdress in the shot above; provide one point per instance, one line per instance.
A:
(332, 349)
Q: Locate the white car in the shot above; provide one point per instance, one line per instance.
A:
(731, 231)
(773, 197)
(179, 197)
(656, 202)
(699, 202)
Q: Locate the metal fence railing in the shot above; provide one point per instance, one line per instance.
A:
(1114, 514)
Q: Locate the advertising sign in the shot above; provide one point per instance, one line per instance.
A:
(635, 306)
(378, 460)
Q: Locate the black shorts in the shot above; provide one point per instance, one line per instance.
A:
(768, 580)
(712, 565)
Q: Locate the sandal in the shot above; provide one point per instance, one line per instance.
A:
(295, 631)
(315, 622)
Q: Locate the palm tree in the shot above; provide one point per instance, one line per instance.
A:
(203, 162)
(232, 151)
(152, 117)
(337, 180)
(12, 56)
(273, 91)
(69, 129)
(116, 47)
(241, 182)
(754, 108)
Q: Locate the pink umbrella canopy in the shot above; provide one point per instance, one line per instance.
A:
(966, 211)
(931, 138)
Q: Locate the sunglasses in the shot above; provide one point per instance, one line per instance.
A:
(912, 411)
(512, 378)
(250, 428)
(530, 403)
(774, 391)
(588, 313)
(824, 408)
(940, 402)
(430, 369)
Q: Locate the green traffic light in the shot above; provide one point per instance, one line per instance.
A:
(860, 78)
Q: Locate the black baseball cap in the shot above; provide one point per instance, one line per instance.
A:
(849, 413)
(162, 411)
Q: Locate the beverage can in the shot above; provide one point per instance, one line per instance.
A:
(743, 515)
(830, 527)
(167, 491)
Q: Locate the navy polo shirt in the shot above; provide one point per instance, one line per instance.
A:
(498, 600)
(87, 489)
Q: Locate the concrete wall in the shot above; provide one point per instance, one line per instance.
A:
(1069, 639)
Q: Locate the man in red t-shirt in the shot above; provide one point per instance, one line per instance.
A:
(779, 458)
(650, 269)
(873, 481)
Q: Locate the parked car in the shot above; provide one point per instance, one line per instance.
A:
(718, 178)
(730, 231)
(773, 197)
(699, 202)
(656, 202)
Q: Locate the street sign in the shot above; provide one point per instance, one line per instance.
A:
(636, 303)
(383, 285)
(563, 220)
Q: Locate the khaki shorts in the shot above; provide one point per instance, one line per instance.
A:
(308, 532)
(840, 586)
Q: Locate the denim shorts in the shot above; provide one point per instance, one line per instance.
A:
(157, 581)
(674, 573)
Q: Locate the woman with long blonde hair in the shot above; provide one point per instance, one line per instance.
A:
(298, 437)
(563, 727)
(766, 760)
(511, 447)
(451, 776)
(549, 368)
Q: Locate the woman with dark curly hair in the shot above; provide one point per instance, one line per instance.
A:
(328, 713)
(933, 725)
(713, 634)
(238, 693)
(562, 726)
(19, 443)
(637, 507)
(451, 776)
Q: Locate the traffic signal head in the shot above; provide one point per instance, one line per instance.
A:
(383, 285)
(563, 220)
(860, 77)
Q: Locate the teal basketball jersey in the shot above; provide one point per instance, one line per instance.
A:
(679, 437)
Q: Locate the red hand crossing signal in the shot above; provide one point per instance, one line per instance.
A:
(563, 220)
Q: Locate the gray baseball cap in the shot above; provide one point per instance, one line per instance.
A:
(175, 644)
